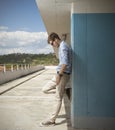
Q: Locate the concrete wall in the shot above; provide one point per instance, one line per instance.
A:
(93, 78)
(9, 75)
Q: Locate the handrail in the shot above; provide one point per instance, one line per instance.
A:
(13, 67)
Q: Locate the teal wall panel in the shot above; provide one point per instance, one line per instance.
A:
(93, 76)
(101, 64)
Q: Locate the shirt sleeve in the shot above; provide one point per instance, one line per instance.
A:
(64, 55)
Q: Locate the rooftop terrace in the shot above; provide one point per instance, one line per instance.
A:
(23, 105)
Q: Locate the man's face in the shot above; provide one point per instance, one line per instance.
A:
(55, 43)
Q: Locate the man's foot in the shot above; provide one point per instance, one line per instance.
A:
(47, 123)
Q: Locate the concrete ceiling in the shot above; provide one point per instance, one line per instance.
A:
(56, 15)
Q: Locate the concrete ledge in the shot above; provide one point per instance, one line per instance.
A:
(94, 122)
(9, 75)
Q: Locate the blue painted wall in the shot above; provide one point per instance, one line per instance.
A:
(93, 44)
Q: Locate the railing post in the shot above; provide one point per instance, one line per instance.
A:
(4, 68)
(25, 66)
(12, 68)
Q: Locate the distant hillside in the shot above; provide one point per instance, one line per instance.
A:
(18, 58)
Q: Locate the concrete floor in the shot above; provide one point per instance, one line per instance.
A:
(25, 106)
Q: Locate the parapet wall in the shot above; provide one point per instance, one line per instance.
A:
(12, 75)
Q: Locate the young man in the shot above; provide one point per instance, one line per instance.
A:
(64, 69)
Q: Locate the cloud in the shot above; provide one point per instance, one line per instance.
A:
(24, 42)
(3, 28)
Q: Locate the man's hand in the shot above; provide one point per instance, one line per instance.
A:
(60, 74)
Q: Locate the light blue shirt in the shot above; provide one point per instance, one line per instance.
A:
(65, 57)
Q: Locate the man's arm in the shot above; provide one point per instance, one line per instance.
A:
(62, 69)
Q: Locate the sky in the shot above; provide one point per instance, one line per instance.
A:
(21, 28)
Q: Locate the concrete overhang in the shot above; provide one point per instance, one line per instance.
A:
(56, 15)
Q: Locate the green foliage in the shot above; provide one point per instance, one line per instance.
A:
(35, 59)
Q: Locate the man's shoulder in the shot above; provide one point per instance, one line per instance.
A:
(64, 44)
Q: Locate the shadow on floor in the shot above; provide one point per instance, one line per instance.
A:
(67, 104)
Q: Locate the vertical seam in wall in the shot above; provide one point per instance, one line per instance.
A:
(87, 63)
